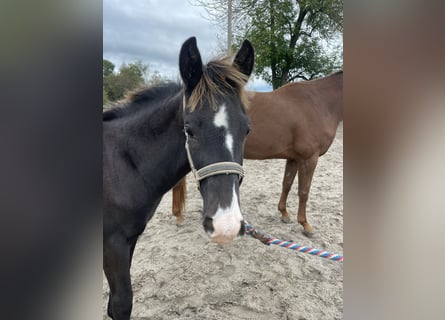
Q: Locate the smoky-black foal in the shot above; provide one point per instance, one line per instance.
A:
(154, 139)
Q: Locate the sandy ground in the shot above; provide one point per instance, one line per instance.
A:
(178, 274)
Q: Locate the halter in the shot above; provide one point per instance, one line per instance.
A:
(225, 167)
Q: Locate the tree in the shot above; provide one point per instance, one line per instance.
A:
(129, 77)
(225, 14)
(105, 98)
(290, 37)
(107, 68)
(156, 78)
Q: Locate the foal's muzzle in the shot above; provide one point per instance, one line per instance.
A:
(224, 229)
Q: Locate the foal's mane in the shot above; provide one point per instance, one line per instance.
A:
(218, 75)
(140, 98)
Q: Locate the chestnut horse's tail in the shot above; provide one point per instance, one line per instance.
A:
(178, 200)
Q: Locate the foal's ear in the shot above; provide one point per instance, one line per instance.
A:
(190, 64)
(244, 59)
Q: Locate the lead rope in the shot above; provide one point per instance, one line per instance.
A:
(268, 240)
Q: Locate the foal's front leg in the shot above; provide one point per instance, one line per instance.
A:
(117, 261)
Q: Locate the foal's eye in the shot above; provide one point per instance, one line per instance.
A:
(248, 130)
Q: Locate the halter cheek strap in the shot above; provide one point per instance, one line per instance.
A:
(225, 167)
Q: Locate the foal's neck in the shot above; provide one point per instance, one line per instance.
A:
(161, 147)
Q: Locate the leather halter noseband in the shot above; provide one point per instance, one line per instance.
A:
(225, 167)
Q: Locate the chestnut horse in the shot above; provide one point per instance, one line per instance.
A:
(296, 122)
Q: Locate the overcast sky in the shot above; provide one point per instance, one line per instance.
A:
(153, 31)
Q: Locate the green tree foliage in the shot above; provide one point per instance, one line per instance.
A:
(290, 37)
(105, 98)
(293, 39)
(129, 77)
(107, 68)
(156, 78)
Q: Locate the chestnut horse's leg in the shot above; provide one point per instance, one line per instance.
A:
(289, 175)
(306, 170)
(117, 261)
(178, 200)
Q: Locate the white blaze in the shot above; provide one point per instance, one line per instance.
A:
(221, 120)
(227, 221)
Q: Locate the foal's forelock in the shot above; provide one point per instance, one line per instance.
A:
(218, 76)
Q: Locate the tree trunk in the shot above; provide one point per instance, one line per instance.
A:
(296, 33)
(273, 51)
(229, 27)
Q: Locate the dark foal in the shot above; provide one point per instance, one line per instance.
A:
(144, 156)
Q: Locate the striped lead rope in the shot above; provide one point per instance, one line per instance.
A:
(268, 240)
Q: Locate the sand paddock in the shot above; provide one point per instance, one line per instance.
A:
(178, 274)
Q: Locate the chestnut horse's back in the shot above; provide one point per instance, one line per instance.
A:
(296, 120)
